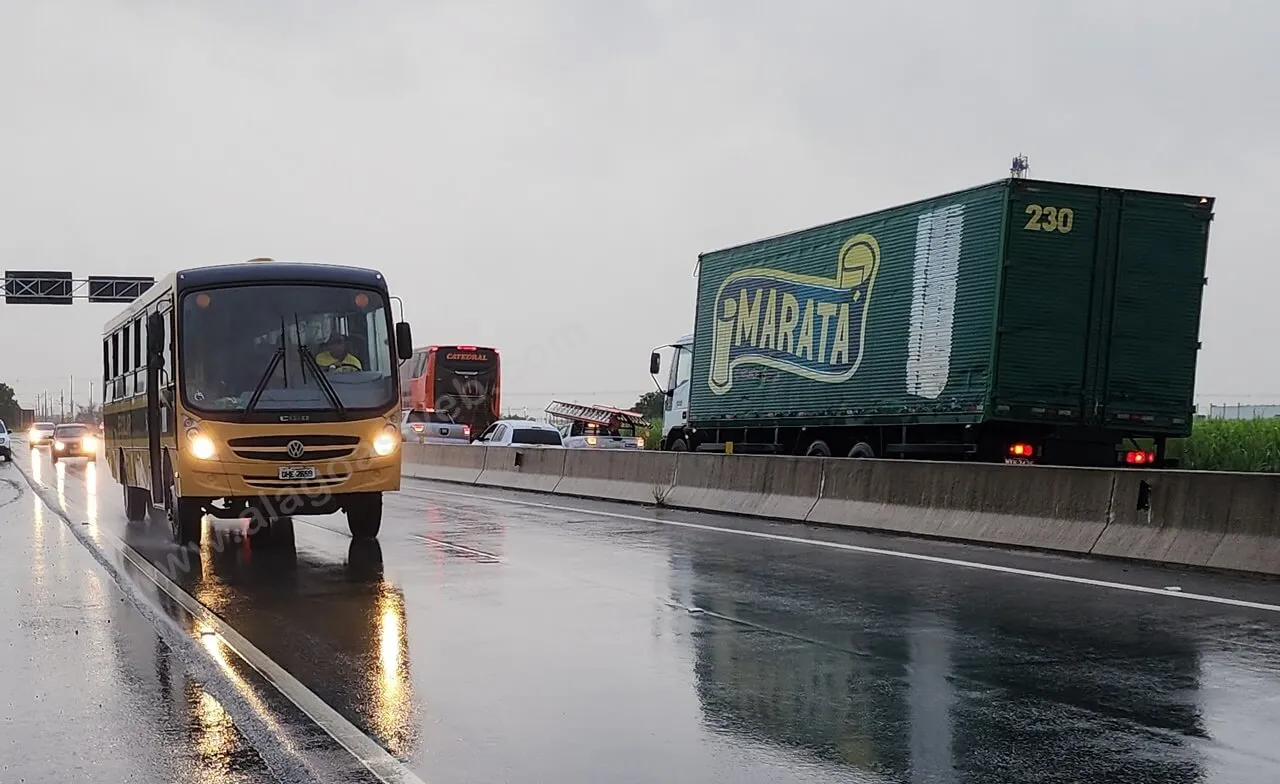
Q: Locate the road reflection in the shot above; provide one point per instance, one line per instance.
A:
(943, 683)
(339, 626)
(193, 723)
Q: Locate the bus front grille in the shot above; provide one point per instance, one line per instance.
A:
(282, 456)
(281, 442)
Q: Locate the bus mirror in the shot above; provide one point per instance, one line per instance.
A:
(155, 341)
(655, 363)
(155, 333)
(404, 341)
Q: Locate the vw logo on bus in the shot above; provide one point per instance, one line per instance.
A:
(294, 449)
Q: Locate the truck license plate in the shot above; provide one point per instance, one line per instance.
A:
(297, 472)
(1019, 461)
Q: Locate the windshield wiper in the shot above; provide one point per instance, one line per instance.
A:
(308, 362)
(262, 382)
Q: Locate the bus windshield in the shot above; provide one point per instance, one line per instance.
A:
(232, 341)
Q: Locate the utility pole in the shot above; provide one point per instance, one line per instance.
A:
(62, 405)
(73, 397)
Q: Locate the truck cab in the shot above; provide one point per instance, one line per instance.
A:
(675, 416)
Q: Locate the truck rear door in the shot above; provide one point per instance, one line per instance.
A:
(1157, 281)
(1048, 309)
(1100, 308)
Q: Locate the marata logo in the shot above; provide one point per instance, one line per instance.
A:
(806, 325)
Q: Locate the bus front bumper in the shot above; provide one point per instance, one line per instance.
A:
(262, 479)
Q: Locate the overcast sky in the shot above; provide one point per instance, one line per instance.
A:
(540, 176)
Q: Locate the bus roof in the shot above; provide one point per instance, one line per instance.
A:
(278, 271)
(255, 271)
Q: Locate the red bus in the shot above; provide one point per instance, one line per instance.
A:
(462, 380)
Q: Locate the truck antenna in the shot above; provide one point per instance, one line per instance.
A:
(1020, 168)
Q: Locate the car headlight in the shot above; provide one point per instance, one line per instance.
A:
(59, 445)
(386, 442)
(89, 443)
(201, 445)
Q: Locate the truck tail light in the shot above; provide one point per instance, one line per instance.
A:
(1139, 457)
(1021, 450)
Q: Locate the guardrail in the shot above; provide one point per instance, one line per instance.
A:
(1191, 518)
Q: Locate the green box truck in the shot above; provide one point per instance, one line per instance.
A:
(1019, 321)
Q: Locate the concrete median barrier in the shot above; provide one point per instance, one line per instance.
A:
(779, 487)
(1062, 509)
(1194, 518)
(616, 475)
(514, 468)
(445, 462)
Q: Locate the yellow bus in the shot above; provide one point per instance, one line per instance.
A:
(261, 389)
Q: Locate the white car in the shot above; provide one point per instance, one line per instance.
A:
(432, 427)
(41, 434)
(520, 432)
(6, 444)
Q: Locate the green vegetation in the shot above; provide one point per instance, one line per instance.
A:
(651, 404)
(10, 412)
(1230, 445)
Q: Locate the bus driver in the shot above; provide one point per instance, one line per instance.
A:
(334, 355)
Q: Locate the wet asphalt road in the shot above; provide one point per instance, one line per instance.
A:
(90, 691)
(493, 636)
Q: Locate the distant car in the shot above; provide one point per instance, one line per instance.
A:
(74, 440)
(6, 447)
(518, 432)
(430, 426)
(41, 434)
(586, 435)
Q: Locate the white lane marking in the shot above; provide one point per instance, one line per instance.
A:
(367, 751)
(363, 748)
(853, 548)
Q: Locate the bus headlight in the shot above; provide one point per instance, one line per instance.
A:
(201, 445)
(385, 443)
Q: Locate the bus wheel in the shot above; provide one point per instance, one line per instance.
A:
(136, 501)
(364, 514)
(185, 518)
(264, 533)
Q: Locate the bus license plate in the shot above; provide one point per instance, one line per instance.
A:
(297, 472)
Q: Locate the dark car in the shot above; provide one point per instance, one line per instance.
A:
(74, 440)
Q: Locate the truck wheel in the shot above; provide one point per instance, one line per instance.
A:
(364, 515)
(862, 449)
(818, 448)
(679, 445)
